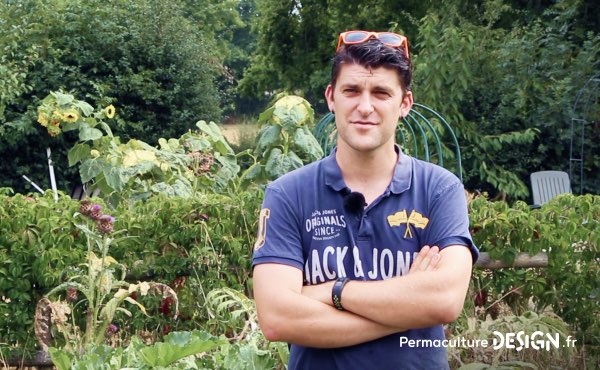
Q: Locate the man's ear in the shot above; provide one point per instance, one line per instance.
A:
(406, 104)
(329, 97)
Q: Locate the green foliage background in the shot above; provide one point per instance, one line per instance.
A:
(208, 240)
(505, 74)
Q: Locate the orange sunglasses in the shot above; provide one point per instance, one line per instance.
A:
(387, 38)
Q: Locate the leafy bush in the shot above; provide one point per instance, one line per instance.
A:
(178, 350)
(568, 230)
(478, 357)
(207, 238)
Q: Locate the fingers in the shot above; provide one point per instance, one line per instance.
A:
(427, 259)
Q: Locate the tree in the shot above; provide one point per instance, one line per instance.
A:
(297, 39)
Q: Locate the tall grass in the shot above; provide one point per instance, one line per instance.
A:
(240, 133)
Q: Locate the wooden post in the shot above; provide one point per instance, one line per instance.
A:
(523, 260)
(41, 360)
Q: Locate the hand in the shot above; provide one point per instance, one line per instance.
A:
(427, 259)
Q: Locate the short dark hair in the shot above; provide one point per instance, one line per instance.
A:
(374, 54)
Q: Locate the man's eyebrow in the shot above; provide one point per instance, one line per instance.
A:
(382, 89)
(349, 85)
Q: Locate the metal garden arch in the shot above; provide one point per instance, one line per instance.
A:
(422, 133)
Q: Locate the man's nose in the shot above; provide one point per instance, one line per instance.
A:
(365, 105)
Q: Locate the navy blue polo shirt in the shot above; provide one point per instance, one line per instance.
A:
(306, 223)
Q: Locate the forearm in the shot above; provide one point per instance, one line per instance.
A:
(419, 299)
(286, 313)
(311, 323)
(423, 298)
(410, 301)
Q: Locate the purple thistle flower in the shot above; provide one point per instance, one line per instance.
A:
(112, 328)
(107, 219)
(105, 224)
(96, 212)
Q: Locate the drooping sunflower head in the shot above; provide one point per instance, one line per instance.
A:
(70, 116)
(57, 116)
(42, 119)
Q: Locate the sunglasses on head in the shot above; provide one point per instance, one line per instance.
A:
(387, 38)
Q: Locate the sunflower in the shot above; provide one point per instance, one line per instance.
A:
(57, 116)
(70, 116)
(53, 130)
(110, 111)
(42, 119)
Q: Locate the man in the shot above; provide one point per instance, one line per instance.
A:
(343, 268)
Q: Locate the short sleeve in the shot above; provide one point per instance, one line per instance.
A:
(450, 219)
(279, 237)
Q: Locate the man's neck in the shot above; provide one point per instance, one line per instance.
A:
(368, 173)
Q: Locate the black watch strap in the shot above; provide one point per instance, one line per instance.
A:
(336, 292)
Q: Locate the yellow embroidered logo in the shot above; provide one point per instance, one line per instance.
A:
(401, 217)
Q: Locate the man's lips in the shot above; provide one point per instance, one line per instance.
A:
(364, 123)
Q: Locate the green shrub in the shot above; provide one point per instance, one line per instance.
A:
(568, 230)
(207, 239)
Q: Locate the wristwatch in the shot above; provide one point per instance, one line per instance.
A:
(336, 292)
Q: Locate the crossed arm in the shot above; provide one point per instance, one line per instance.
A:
(432, 293)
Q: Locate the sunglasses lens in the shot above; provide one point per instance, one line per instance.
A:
(390, 39)
(355, 36)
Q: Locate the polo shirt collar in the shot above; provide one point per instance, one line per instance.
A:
(399, 184)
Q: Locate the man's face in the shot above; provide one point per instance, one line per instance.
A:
(367, 104)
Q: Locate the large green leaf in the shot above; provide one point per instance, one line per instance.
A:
(91, 168)
(85, 108)
(266, 116)
(63, 99)
(285, 119)
(89, 133)
(171, 145)
(252, 172)
(197, 144)
(183, 189)
(279, 164)
(137, 169)
(267, 136)
(177, 345)
(60, 358)
(163, 188)
(114, 178)
(295, 161)
(222, 147)
(211, 129)
(78, 152)
(275, 163)
(307, 144)
(228, 171)
(291, 112)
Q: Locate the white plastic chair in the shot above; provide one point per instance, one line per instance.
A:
(545, 185)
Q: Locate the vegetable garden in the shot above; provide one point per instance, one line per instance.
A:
(155, 272)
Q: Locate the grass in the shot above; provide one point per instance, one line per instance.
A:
(241, 134)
